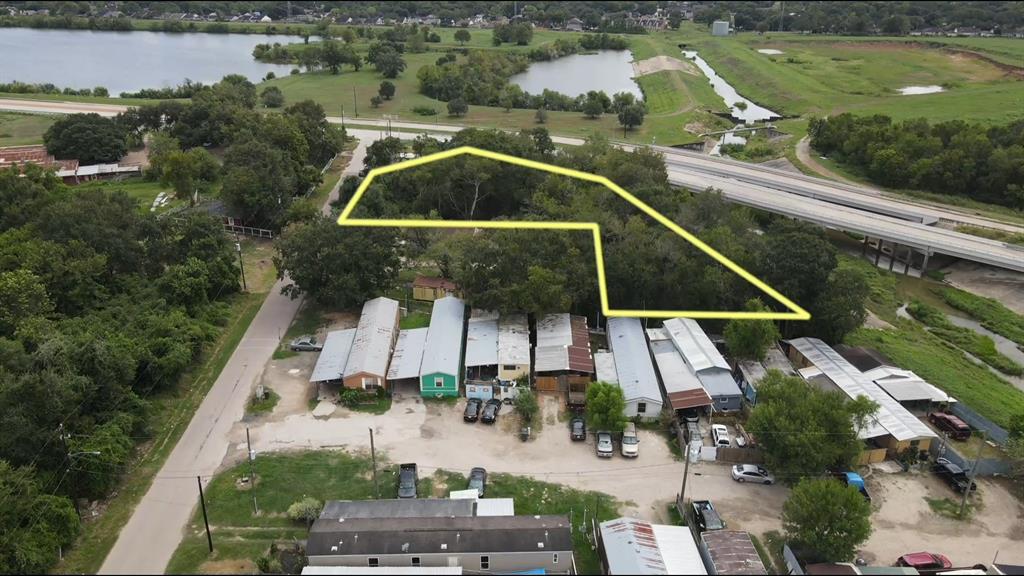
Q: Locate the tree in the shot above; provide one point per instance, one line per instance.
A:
(631, 116)
(35, 525)
(22, 297)
(100, 92)
(526, 405)
(804, 430)
(333, 55)
(337, 266)
(592, 106)
(191, 171)
(750, 339)
(376, 101)
(306, 510)
(272, 97)
(840, 309)
(826, 518)
(259, 182)
(797, 261)
(541, 116)
(88, 138)
(462, 36)
(386, 90)
(457, 107)
(389, 63)
(382, 152)
(416, 44)
(606, 407)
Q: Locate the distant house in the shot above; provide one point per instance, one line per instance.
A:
(682, 387)
(477, 544)
(80, 174)
(266, 19)
(406, 359)
(441, 368)
(563, 346)
(574, 25)
(633, 367)
(730, 552)
(367, 366)
(632, 546)
(330, 364)
(429, 288)
(482, 347)
(706, 362)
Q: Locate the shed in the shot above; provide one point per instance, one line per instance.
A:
(720, 28)
(330, 365)
(482, 345)
(682, 387)
(376, 333)
(730, 552)
(907, 388)
(430, 288)
(706, 362)
(513, 347)
(604, 362)
(405, 362)
(632, 546)
(636, 376)
(563, 345)
(442, 353)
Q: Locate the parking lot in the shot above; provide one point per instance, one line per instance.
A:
(433, 434)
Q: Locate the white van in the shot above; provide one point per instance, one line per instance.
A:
(630, 442)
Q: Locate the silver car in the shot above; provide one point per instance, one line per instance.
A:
(605, 449)
(751, 473)
(306, 344)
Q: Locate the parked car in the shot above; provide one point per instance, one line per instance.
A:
(306, 344)
(407, 479)
(751, 473)
(630, 443)
(955, 427)
(578, 429)
(472, 412)
(720, 435)
(690, 414)
(491, 410)
(953, 475)
(853, 480)
(706, 517)
(478, 480)
(924, 561)
(605, 449)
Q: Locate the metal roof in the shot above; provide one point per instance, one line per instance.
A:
(732, 552)
(405, 362)
(375, 333)
(381, 570)
(563, 343)
(682, 386)
(482, 339)
(891, 418)
(906, 386)
(444, 338)
(635, 546)
(656, 334)
(719, 384)
(514, 340)
(632, 359)
(695, 346)
(604, 362)
(397, 508)
(775, 359)
(330, 365)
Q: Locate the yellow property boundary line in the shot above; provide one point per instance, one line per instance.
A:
(795, 312)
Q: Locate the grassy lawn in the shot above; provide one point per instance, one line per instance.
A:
(22, 129)
(82, 99)
(415, 320)
(309, 320)
(239, 536)
(144, 191)
(990, 312)
(265, 406)
(978, 345)
(171, 414)
(951, 509)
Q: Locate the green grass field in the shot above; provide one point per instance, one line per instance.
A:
(22, 129)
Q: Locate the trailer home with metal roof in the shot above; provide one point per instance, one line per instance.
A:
(706, 362)
(367, 367)
(634, 369)
(441, 368)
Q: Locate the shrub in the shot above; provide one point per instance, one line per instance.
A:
(424, 111)
(306, 510)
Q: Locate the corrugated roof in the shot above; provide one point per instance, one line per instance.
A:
(330, 365)
(681, 385)
(432, 282)
(906, 386)
(695, 346)
(719, 384)
(656, 334)
(482, 339)
(632, 359)
(732, 552)
(371, 349)
(514, 340)
(444, 338)
(604, 362)
(891, 418)
(563, 343)
(405, 362)
(634, 546)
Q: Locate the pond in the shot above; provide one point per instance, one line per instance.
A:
(129, 61)
(747, 112)
(607, 70)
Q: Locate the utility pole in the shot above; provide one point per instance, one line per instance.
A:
(355, 103)
(971, 475)
(686, 470)
(373, 457)
(241, 266)
(206, 522)
(342, 116)
(252, 473)
(782, 15)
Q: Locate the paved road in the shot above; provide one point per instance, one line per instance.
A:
(152, 534)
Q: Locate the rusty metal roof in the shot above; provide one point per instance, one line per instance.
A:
(732, 552)
(633, 546)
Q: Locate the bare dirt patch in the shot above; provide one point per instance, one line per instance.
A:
(228, 567)
(662, 63)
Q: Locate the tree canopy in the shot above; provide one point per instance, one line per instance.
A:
(750, 339)
(605, 407)
(88, 138)
(826, 519)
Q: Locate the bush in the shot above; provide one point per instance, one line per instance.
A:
(295, 71)
(306, 510)
(424, 111)
(526, 405)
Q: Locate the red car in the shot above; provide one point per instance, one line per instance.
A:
(955, 427)
(924, 561)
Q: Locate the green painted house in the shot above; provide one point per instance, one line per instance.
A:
(442, 353)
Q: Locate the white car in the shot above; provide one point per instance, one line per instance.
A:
(720, 435)
(751, 473)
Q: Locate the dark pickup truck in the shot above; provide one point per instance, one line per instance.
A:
(407, 479)
(953, 475)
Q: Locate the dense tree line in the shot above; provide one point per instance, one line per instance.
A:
(16, 87)
(101, 305)
(954, 157)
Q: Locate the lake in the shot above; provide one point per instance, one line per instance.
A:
(607, 70)
(128, 61)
